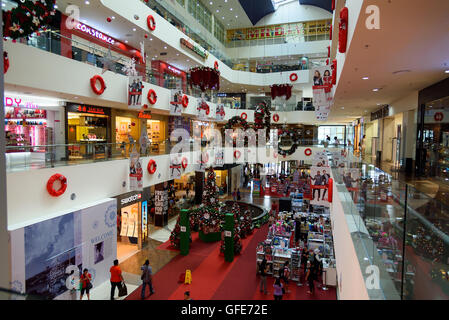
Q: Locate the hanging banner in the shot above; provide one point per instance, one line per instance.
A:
(176, 103)
(175, 166)
(319, 184)
(220, 112)
(135, 87)
(160, 202)
(322, 91)
(203, 109)
(135, 171)
(219, 157)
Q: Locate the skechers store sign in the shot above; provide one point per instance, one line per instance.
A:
(195, 48)
(95, 33)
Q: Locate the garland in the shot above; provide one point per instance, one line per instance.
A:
(283, 133)
(236, 120)
(27, 18)
(205, 78)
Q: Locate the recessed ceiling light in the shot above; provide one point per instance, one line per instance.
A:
(210, 3)
(87, 2)
(447, 71)
(218, 10)
(113, 17)
(55, 6)
(126, 41)
(236, 16)
(188, 60)
(134, 29)
(165, 47)
(365, 78)
(151, 39)
(375, 89)
(177, 54)
(230, 9)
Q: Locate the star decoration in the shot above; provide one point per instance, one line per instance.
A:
(36, 21)
(108, 61)
(15, 27)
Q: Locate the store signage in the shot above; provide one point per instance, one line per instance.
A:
(174, 70)
(195, 48)
(85, 109)
(18, 102)
(144, 115)
(95, 33)
(131, 199)
(381, 113)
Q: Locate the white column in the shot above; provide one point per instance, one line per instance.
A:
(5, 265)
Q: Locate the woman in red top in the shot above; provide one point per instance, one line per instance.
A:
(86, 282)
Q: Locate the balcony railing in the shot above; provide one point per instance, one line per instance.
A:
(399, 230)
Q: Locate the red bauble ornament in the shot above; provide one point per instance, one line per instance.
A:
(108, 19)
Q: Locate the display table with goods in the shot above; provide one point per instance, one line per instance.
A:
(279, 247)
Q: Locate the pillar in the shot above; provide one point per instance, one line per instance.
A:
(184, 223)
(5, 261)
(229, 237)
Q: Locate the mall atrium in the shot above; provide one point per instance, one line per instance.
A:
(225, 150)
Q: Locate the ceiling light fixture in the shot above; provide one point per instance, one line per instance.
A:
(87, 2)
(375, 89)
(113, 17)
(365, 78)
(447, 71)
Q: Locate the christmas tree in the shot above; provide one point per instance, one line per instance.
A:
(175, 235)
(209, 215)
(246, 224)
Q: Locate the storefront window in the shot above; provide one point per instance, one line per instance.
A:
(436, 139)
(87, 128)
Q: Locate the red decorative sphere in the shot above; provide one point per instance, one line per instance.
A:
(108, 19)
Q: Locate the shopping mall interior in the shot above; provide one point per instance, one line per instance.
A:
(225, 150)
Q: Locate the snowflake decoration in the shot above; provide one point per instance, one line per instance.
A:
(130, 68)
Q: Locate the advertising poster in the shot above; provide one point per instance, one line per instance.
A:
(135, 88)
(219, 157)
(175, 103)
(135, 171)
(322, 91)
(339, 159)
(144, 219)
(220, 112)
(175, 166)
(124, 226)
(47, 257)
(203, 110)
(351, 180)
(256, 186)
(319, 184)
(203, 161)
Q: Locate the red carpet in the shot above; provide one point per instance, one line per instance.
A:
(215, 279)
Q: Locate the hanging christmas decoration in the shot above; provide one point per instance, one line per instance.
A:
(28, 17)
(5, 62)
(280, 90)
(262, 118)
(205, 78)
(236, 120)
(288, 141)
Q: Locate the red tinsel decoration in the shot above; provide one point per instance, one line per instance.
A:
(205, 78)
(279, 90)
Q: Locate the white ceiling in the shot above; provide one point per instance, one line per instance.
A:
(408, 53)
(230, 13)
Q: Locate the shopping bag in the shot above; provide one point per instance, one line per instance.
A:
(123, 290)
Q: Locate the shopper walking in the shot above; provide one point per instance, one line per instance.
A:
(86, 283)
(284, 274)
(263, 276)
(147, 278)
(278, 289)
(116, 278)
(310, 277)
(234, 194)
(238, 195)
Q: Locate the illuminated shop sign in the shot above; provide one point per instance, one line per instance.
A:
(174, 70)
(95, 33)
(131, 199)
(19, 103)
(194, 48)
(144, 115)
(86, 109)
